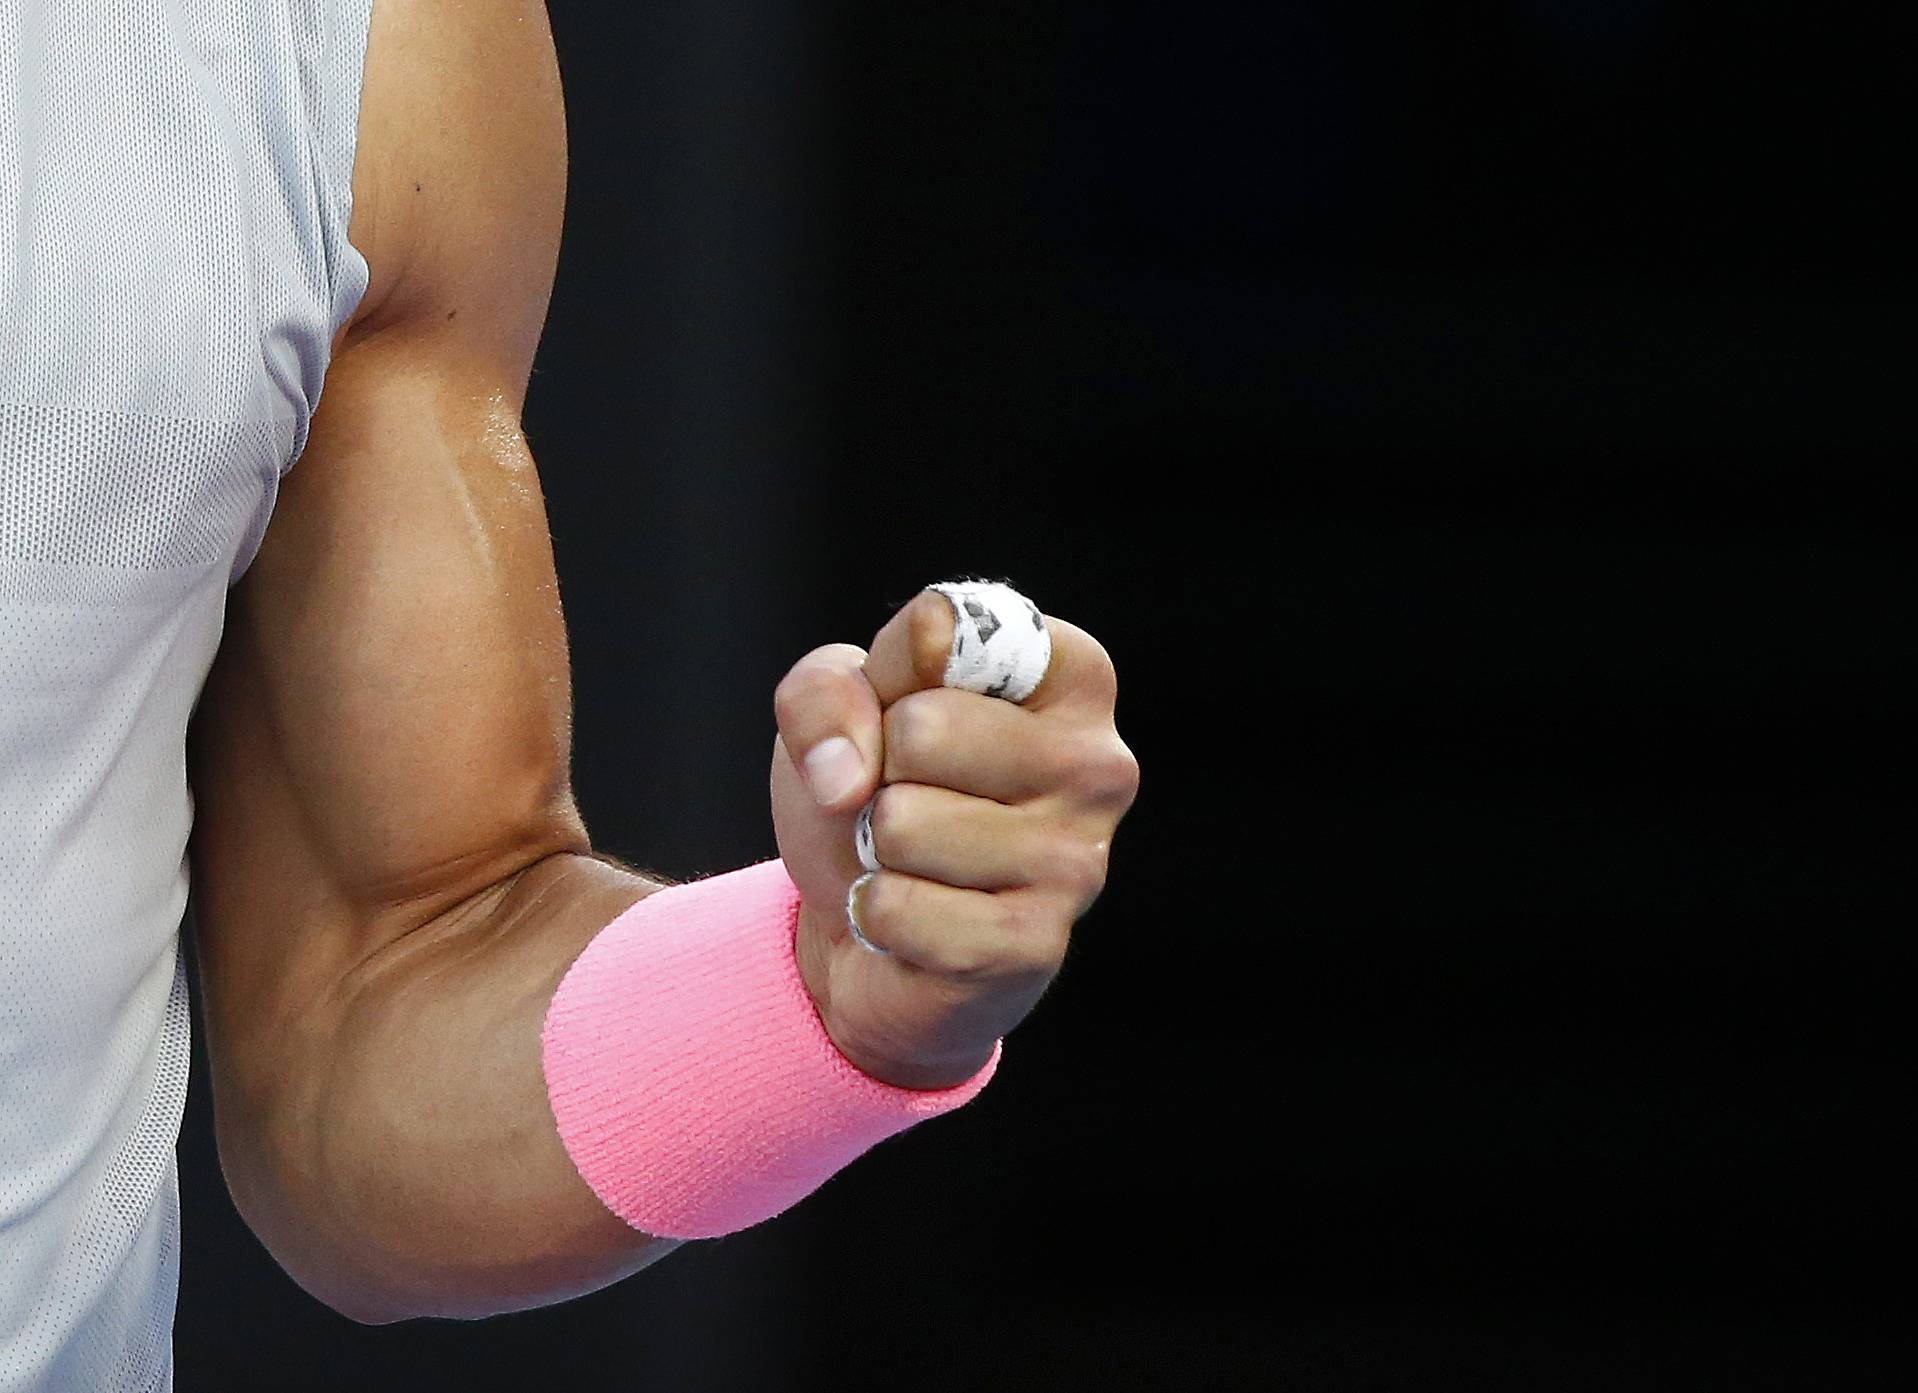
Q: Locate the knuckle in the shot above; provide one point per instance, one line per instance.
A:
(808, 680)
(952, 969)
(787, 697)
(1099, 665)
(965, 961)
(881, 904)
(1077, 866)
(913, 728)
(891, 822)
(1037, 942)
(1010, 918)
(1092, 666)
(991, 947)
(971, 951)
(1126, 773)
(1104, 771)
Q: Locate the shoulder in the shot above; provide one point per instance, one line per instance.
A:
(459, 175)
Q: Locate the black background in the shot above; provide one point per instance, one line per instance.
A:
(1472, 429)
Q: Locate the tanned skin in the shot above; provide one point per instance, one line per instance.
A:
(390, 873)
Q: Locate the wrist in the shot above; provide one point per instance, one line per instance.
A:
(689, 1072)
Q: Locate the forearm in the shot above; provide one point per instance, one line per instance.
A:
(408, 1163)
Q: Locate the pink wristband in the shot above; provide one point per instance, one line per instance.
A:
(694, 1086)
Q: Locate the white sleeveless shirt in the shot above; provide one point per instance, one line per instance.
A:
(175, 184)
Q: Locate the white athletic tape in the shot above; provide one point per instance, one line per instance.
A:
(1000, 644)
(869, 858)
(862, 837)
(852, 919)
(1000, 648)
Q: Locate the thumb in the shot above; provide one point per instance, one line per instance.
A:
(829, 718)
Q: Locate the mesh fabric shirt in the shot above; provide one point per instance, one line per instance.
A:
(175, 183)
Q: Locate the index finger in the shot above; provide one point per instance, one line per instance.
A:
(993, 650)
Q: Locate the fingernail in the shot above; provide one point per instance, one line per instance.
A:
(833, 770)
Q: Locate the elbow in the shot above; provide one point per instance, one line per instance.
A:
(313, 1255)
(363, 1273)
(345, 1294)
(339, 1281)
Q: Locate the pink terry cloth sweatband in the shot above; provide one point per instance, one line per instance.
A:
(693, 1083)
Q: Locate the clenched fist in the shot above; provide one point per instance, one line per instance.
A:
(992, 825)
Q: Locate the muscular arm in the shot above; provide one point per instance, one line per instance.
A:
(390, 874)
